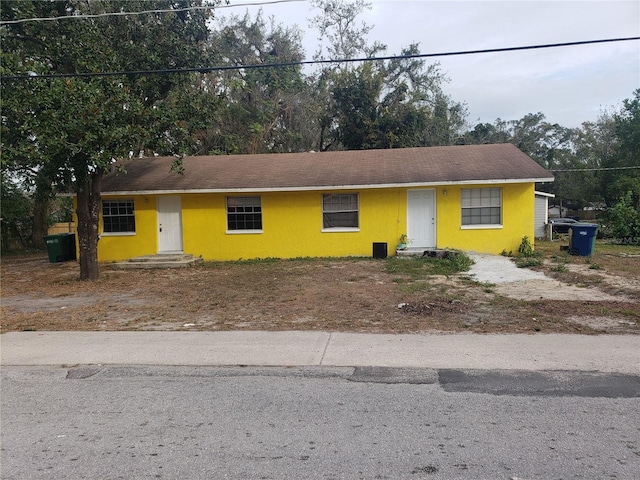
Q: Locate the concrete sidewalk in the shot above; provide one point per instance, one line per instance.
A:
(605, 353)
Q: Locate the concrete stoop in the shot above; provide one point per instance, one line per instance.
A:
(426, 252)
(158, 261)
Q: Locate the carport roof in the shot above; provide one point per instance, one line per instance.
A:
(409, 167)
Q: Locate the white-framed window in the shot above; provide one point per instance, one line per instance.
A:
(481, 206)
(340, 211)
(244, 213)
(118, 216)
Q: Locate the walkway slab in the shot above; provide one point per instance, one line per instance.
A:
(498, 269)
(163, 348)
(526, 284)
(604, 353)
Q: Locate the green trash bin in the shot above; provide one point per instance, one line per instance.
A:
(61, 247)
(582, 238)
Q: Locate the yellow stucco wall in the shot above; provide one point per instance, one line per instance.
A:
(113, 247)
(517, 220)
(292, 226)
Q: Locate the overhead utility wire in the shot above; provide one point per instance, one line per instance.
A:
(599, 169)
(142, 12)
(310, 62)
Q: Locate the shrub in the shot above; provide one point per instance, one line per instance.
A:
(525, 249)
(624, 220)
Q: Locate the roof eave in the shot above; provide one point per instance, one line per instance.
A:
(328, 187)
(544, 194)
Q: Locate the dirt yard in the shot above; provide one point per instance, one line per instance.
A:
(595, 295)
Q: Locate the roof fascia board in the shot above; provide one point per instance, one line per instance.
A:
(327, 187)
(544, 194)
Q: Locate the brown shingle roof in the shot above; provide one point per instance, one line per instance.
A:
(329, 170)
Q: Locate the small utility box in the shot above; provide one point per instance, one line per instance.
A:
(379, 250)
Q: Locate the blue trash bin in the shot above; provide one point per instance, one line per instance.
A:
(582, 239)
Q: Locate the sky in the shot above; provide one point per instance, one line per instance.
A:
(570, 85)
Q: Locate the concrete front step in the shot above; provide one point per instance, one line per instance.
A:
(425, 252)
(158, 261)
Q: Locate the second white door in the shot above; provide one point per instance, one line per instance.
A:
(421, 218)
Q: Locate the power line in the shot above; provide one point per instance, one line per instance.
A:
(310, 62)
(142, 12)
(599, 169)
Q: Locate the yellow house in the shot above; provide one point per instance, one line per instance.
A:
(473, 198)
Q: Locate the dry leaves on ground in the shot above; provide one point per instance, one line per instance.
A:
(355, 295)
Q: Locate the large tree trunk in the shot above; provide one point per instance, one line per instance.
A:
(88, 211)
(40, 223)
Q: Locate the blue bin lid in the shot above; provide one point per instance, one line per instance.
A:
(585, 226)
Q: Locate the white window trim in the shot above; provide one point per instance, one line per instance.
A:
(243, 232)
(482, 227)
(102, 217)
(340, 230)
(118, 234)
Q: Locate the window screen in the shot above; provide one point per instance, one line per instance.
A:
(118, 216)
(244, 213)
(340, 211)
(481, 206)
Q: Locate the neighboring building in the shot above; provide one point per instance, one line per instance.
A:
(558, 212)
(61, 227)
(474, 198)
(541, 213)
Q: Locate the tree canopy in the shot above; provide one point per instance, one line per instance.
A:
(63, 134)
(66, 132)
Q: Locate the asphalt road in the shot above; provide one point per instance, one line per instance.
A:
(133, 422)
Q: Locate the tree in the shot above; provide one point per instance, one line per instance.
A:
(486, 133)
(337, 25)
(593, 145)
(624, 175)
(597, 161)
(261, 109)
(624, 220)
(377, 104)
(18, 157)
(15, 214)
(556, 148)
(69, 131)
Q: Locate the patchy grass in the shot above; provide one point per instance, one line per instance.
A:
(612, 268)
(526, 262)
(352, 294)
(419, 267)
(621, 260)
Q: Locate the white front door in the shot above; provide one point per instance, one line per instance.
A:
(169, 225)
(421, 218)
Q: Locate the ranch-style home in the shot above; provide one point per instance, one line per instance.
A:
(473, 198)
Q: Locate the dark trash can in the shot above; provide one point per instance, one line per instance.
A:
(61, 247)
(379, 250)
(582, 239)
